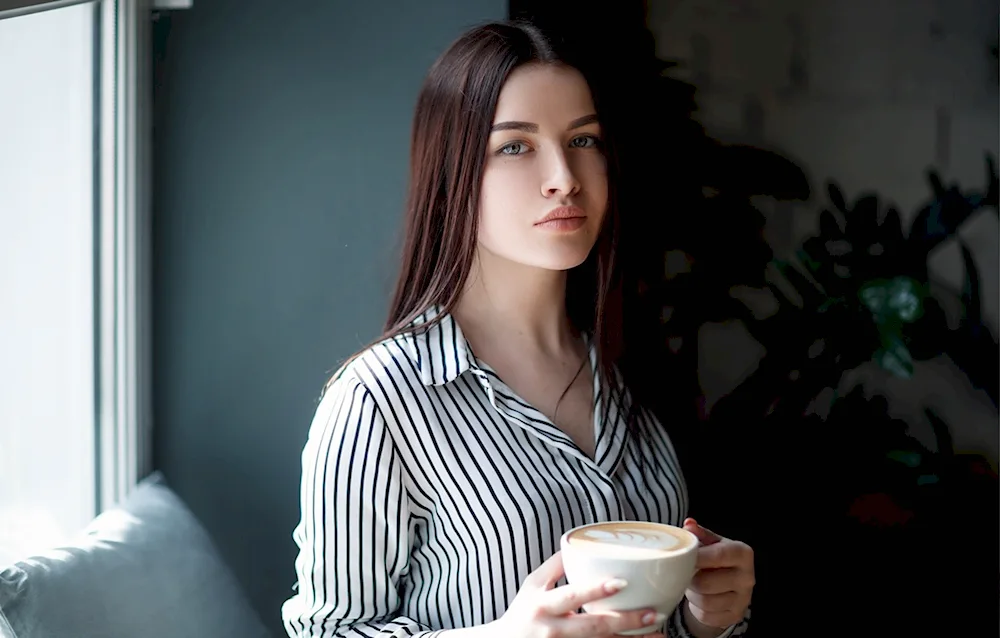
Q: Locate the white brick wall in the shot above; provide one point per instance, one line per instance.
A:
(881, 91)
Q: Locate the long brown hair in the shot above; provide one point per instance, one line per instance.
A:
(451, 127)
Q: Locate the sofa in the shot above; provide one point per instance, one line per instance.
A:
(144, 569)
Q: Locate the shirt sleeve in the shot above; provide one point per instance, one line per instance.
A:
(676, 628)
(353, 536)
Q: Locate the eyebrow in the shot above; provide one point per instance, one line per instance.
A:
(529, 127)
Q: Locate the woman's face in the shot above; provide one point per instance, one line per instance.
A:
(544, 159)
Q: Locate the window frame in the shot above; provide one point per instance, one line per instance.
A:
(14, 8)
(122, 242)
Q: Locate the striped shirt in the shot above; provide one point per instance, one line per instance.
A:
(430, 490)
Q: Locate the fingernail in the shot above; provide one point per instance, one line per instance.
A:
(615, 585)
(652, 618)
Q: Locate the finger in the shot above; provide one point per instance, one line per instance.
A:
(713, 602)
(705, 535)
(725, 554)
(610, 623)
(720, 581)
(547, 574)
(569, 598)
(717, 619)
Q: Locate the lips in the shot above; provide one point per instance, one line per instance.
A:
(563, 218)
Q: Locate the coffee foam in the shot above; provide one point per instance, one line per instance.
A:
(629, 540)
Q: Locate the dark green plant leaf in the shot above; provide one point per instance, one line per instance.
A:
(862, 221)
(772, 332)
(836, 196)
(810, 254)
(941, 218)
(828, 271)
(875, 297)
(892, 232)
(971, 305)
(829, 226)
(909, 458)
(905, 299)
(895, 357)
(893, 302)
(927, 336)
(942, 433)
(812, 297)
(993, 189)
(937, 186)
(976, 354)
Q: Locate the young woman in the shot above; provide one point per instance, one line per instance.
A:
(445, 461)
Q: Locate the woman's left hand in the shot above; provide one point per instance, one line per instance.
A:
(719, 594)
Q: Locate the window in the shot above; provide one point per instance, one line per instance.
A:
(73, 285)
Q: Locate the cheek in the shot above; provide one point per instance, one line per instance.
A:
(504, 200)
(510, 181)
(591, 169)
(593, 175)
(490, 215)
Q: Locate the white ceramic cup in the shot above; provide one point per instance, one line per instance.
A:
(657, 572)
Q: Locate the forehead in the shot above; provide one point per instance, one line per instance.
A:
(544, 94)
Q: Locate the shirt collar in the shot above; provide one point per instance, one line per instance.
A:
(442, 354)
(439, 348)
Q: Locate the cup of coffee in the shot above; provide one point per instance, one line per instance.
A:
(657, 560)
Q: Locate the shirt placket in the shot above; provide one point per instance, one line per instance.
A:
(608, 505)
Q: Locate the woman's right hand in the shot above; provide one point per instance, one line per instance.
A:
(541, 610)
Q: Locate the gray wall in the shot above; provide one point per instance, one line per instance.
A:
(280, 149)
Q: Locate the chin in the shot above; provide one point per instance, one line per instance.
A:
(561, 260)
(560, 254)
(563, 255)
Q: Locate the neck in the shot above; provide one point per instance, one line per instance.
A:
(504, 301)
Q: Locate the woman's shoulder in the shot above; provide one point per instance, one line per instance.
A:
(364, 385)
(388, 361)
(430, 350)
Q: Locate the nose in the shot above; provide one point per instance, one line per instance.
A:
(560, 180)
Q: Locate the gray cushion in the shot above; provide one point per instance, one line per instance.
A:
(146, 569)
(6, 631)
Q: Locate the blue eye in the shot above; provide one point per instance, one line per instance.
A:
(513, 148)
(585, 141)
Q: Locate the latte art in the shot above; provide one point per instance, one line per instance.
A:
(630, 539)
